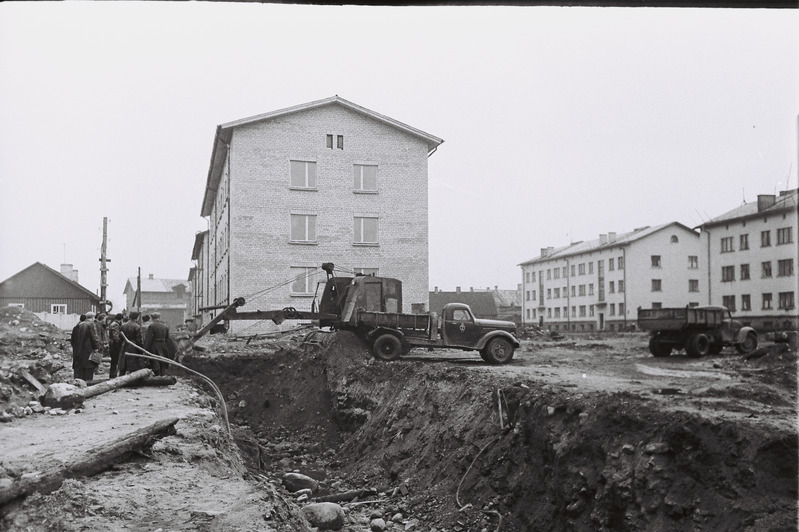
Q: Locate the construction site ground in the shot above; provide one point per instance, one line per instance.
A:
(587, 432)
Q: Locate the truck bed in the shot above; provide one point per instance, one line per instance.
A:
(672, 319)
(405, 322)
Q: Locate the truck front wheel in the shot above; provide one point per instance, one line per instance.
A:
(387, 347)
(698, 345)
(748, 345)
(497, 351)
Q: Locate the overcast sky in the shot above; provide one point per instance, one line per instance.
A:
(558, 123)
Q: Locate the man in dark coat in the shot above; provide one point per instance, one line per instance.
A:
(114, 343)
(157, 342)
(132, 331)
(84, 341)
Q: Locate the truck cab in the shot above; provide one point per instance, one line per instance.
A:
(493, 338)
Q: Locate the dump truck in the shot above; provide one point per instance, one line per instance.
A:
(698, 330)
(371, 307)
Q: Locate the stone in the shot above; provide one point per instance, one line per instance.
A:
(377, 525)
(397, 517)
(657, 448)
(550, 410)
(324, 515)
(298, 481)
(627, 448)
(61, 394)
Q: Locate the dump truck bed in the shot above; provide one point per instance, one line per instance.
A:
(672, 319)
(405, 322)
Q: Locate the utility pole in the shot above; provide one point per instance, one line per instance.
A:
(103, 268)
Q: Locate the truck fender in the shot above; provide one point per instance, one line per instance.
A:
(493, 334)
(379, 331)
(741, 336)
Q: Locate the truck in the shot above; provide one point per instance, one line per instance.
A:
(698, 330)
(371, 308)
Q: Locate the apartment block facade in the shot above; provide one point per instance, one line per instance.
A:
(599, 284)
(325, 181)
(752, 257)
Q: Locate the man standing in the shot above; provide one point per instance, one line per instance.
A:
(114, 343)
(132, 331)
(156, 342)
(84, 341)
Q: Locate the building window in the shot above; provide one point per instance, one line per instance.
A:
(302, 280)
(527, 296)
(611, 287)
(611, 265)
(729, 302)
(533, 295)
(765, 269)
(566, 271)
(365, 230)
(591, 289)
(365, 178)
(340, 142)
(727, 245)
(590, 267)
(582, 290)
(582, 311)
(674, 239)
(591, 310)
(58, 309)
(549, 274)
(532, 277)
(303, 174)
(656, 261)
(744, 242)
(549, 313)
(785, 268)
(746, 302)
(549, 293)
(303, 228)
(621, 287)
(693, 262)
(656, 285)
(613, 309)
(620, 263)
(765, 239)
(367, 271)
(556, 273)
(657, 304)
(557, 312)
(786, 300)
(767, 301)
(574, 294)
(727, 274)
(329, 141)
(574, 312)
(744, 272)
(784, 236)
(581, 269)
(621, 309)
(693, 285)
(557, 293)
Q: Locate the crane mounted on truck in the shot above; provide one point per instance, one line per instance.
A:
(371, 307)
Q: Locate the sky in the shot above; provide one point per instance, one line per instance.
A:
(559, 123)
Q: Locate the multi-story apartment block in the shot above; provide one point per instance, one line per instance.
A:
(325, 181)
(751, 253)
(599, 284)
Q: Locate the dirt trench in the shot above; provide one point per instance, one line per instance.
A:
(430, 439)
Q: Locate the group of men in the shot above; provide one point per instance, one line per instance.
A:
(107, 335)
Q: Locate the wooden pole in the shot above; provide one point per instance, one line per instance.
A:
(118, 382)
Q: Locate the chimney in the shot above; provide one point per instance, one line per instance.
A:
(151, 277)
(69, 273)
(471, 289)
(458, 289)
(496, 288)
(764, 201)
(543, 252)
(435, 289)
(603, 238)
(611, 237)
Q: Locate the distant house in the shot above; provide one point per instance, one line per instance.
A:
(43, 290)
(170, 297)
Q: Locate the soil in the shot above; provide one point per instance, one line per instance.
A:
(584, 432)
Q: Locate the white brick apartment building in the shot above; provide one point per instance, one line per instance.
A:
(325, 181)
(752, 255)
(599, 284)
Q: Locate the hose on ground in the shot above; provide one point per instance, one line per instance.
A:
(146, 354)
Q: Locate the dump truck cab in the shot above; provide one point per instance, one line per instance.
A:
(493, 338)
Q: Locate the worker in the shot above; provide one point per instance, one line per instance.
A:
(114, 343)
(132, 331)
(156, 342)
(84, 341)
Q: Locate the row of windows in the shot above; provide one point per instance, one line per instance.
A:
(303, 229)
(613, 264)
(303, 176)
(784, 269)
(785, 301)
(784, 236)
(580, 311)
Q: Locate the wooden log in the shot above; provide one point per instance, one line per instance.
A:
(91, 462)
(158, 380)
(346, 496)
(118, 382)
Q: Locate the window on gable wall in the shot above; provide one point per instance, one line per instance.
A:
(365, 179)
(303, 174)
(340, 142)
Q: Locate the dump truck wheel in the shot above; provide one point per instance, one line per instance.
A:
(497, 351)
(387, 347)
(699, 345)
(748, 345)
(658, 348)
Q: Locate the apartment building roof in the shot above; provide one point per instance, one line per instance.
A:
(157, 285)
(766, 204)
(605, 241)
(224, 133)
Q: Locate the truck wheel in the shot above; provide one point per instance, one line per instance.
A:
(387, 347)
(698, 345)
(497, 351)
(748, 345)
(658, 348)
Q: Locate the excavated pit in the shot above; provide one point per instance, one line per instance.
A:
(428, 437)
